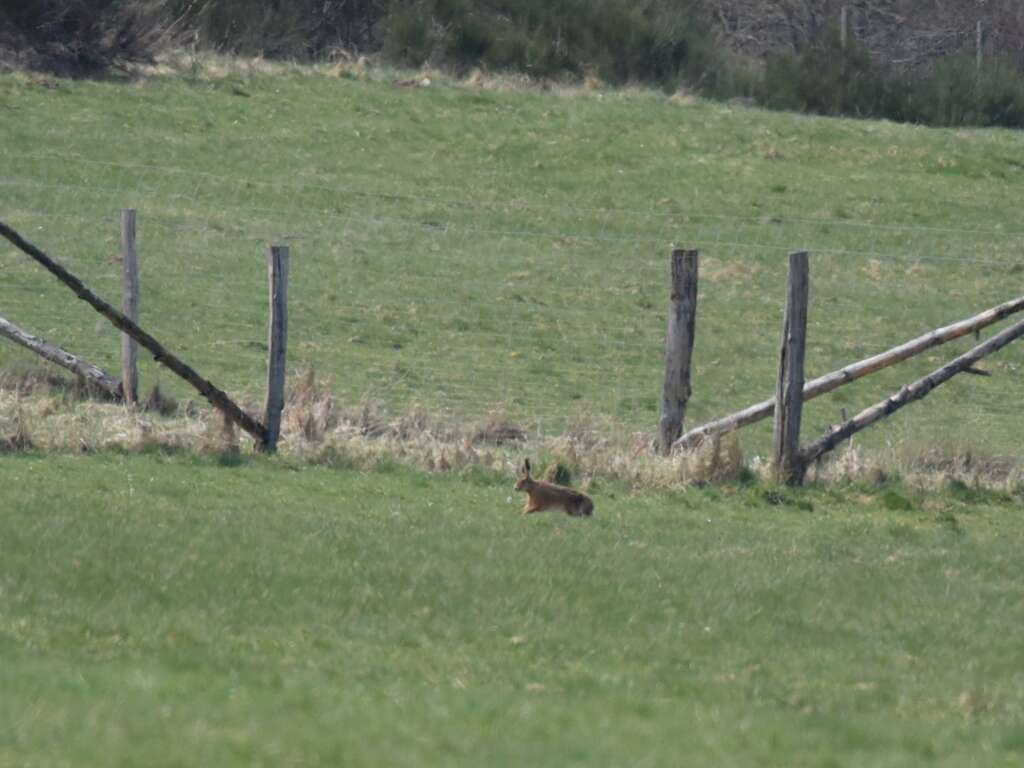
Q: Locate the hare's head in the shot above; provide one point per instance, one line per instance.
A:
(523, 482)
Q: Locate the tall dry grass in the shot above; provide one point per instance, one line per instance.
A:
(42, 412)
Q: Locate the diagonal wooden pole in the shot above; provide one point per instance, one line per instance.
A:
(909, 393)
(854, 371)
(216, 397)
(83, 368)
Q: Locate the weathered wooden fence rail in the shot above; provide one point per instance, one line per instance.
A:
(909, 393)
(854, 371)
(92, 374)
(215, 396)
(789, 461)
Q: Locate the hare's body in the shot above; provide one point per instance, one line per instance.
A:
(541, 496)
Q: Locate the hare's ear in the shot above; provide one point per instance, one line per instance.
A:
(526, 465)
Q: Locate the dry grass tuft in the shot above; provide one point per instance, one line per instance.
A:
(158, 402)
(928, 467)
(19, 438)
(363, 420)
(219, 435)
(44, 382)
(502, 82)
(310, 410)
(496, 430)
(348, 65)
(683, 98)
(35, 413)
(141, 437)
(718, 459)
(850, 464)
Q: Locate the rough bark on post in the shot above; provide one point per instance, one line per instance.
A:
(682, 318)
(277, 343)
(977, 48)
(786, 460)
(130, 307)
(854, 371)
(86, 370)
(216, 397)
(910, 393)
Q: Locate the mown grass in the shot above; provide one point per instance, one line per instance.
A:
(168, 609)
(470, 249)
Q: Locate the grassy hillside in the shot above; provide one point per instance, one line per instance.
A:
(460, 250)
(470, 249)
(162, 609)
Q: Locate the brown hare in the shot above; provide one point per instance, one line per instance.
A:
(541, 496)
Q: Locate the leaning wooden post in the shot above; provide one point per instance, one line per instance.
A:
(855, 371)
(682, 317)
(216, 397)
(910, 393)
(786, 461)
(277, 271)
(83, 368)
(130, 308)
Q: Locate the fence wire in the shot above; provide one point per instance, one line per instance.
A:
(551, 316)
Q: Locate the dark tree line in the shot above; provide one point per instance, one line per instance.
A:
(908, 60)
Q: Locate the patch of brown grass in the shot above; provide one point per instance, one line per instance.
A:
(927, 467)
(494, 429)
(158, 402)
(316, 429)
(718, 459)
(310, 410)
(43, 381)
(219, 435)
(18, 439)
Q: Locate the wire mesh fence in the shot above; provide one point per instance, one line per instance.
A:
(551, 315)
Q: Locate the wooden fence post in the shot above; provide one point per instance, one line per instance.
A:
(786, 460)
(682, 317)
(277, 271)
(843, 26)
(130, 308)
(977, 48)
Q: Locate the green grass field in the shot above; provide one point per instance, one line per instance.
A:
(468, 251)
(162, 609)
